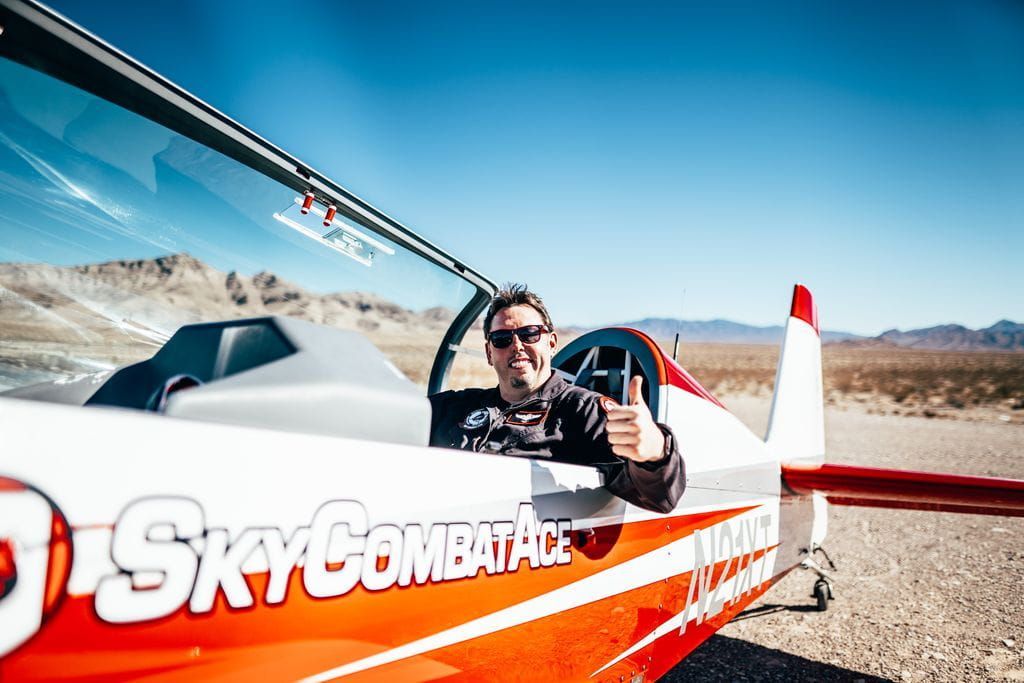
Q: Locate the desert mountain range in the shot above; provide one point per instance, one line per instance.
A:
(153, 297)
(1005, 335)
(720, 331)
(96, 303)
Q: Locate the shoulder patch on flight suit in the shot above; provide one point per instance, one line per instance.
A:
(475, 419)
(526, 418)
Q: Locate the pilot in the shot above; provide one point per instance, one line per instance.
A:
(534, 412)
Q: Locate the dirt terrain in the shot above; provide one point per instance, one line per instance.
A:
(920, 596)
(971, 385)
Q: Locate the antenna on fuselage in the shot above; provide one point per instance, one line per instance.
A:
(679, 327)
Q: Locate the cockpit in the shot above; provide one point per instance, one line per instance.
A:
(151, 249)
(156, 255)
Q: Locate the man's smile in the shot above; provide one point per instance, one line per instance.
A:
(520, 362)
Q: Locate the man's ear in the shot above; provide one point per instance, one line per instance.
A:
(487, 351)
(554, 340)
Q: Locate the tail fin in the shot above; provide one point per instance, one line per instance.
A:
(796, 427)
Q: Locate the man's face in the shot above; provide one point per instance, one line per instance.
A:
(521, 368)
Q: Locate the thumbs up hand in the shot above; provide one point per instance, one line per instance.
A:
(631, 429)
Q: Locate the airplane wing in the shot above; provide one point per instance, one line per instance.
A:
(906, 489)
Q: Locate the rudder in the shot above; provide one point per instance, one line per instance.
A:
(796, 427)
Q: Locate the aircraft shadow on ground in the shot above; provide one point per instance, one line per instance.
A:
(730, 659)
(765, 610)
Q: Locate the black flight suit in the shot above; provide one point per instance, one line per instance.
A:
(562, 422)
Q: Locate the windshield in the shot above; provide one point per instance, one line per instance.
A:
(116, 231)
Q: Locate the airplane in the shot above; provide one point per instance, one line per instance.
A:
(184, 495)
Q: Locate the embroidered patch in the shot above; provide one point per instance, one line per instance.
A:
(526, 418)
(607, 403)
(475, 419)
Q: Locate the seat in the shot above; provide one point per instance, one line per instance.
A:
(606, 360)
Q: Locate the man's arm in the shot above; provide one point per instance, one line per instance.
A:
(656, 485)
(640, 459)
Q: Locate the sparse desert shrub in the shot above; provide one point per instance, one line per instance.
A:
(913, 378)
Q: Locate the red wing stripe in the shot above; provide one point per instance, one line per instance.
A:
(904, 489)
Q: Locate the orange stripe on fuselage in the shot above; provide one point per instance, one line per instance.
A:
(573, 643)
(304, 635)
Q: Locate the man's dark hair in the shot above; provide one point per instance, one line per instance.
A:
(514, 294)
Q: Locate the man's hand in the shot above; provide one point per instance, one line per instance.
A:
(631, 429)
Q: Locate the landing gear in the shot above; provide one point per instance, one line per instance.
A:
(823, 587)
(822, 594)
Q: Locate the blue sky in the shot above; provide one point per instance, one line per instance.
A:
(617, 156)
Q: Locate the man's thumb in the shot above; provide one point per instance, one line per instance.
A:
(636, 396)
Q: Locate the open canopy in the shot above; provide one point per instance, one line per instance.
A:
(128, 208)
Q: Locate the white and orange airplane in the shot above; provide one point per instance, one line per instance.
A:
(258, 499)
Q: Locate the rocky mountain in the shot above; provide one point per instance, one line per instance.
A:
(1004, 335)
(153, 297)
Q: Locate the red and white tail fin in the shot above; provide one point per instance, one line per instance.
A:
(796, 436)
(796, 427)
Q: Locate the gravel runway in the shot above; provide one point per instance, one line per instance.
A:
(920, 596)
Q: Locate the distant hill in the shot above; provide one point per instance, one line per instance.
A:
(117, 301)
(96, 303)
(1005, 335)
(721, 331)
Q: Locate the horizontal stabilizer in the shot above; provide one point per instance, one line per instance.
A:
(885, 488)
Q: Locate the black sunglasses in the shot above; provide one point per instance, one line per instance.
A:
(528, 334)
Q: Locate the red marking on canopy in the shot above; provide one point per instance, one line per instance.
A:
(329, 216)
